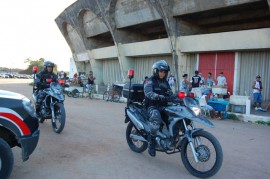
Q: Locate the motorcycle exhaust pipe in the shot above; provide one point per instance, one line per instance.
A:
(137, 137)
(135, 121)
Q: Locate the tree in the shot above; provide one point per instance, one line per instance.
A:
(39, 63)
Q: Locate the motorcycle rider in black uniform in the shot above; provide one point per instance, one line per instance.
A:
(156, 89)
(42, 81)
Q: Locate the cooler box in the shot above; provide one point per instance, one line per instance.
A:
(219, 90)
(136, 92)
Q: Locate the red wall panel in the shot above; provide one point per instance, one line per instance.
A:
(216, 63)
(225, 64)
(207, 63)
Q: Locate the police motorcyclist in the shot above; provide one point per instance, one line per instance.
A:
(42, 81)
(156, 89)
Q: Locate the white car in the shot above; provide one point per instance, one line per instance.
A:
(4, 75)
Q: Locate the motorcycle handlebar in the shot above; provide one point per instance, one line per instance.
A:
(173, 99)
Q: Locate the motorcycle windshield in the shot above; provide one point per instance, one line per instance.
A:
(190, 102)
(57, 91)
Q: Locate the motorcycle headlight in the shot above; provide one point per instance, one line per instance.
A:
(28, 106)
(196, 110)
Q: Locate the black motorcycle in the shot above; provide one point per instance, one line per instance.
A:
(201, 152)
(52, 106)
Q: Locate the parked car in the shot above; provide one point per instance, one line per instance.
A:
(4, 75)
(18, 127)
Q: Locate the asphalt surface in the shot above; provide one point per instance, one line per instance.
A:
(93, 145)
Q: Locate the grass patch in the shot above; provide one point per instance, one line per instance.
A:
(263, 123)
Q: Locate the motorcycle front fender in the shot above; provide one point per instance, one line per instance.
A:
(203, 120)
(200, 119)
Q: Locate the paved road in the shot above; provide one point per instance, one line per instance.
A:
(93, 145)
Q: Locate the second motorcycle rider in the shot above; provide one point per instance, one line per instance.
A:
(42, 81)
(156, 89)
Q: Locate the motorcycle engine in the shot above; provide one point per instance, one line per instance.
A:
(164, 144)
(45, 112)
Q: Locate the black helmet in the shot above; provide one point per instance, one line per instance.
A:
(48, 64)
(160, 65)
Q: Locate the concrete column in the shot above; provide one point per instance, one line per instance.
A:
(97, 68)
(126, 63)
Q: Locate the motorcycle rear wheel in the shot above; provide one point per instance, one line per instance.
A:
(75, 93)
(60, 115)
(209, 152)
(134, 145)
(69, 93)
(116, 97)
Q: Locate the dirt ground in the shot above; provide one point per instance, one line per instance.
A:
(93, 145)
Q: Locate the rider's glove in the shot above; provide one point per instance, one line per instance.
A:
(162, 98)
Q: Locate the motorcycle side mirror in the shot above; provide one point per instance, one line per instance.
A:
(181, 95)
(35, 69)
(130, 74)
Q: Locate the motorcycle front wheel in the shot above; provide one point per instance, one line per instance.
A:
(106, 96)
(60, 118)
(135, 145)
(208, 151)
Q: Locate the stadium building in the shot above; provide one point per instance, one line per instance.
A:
(110, 37)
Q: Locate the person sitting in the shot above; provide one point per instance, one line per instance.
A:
(42, 81)
(156, 88)
(207, 109)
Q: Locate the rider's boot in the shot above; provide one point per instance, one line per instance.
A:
(38, 111)
(152, 146)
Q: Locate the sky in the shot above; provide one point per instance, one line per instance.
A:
(28, 30)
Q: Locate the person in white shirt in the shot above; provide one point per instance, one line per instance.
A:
(221, 79)
(203, 101)
(257, 95)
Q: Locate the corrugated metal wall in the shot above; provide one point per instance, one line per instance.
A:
(143, 66)
(252, 64)
(111, 71)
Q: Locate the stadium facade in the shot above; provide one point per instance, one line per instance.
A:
(110, 37)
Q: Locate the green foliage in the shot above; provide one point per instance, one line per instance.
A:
(263, 123)
(39, 63)
(232, 116)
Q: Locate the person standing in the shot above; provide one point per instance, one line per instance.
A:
(171, 81)
(257, 93)
(196, 79)
(91, 78)
(209, 81)
(221, 79)
(202, 79)
(184, 84)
